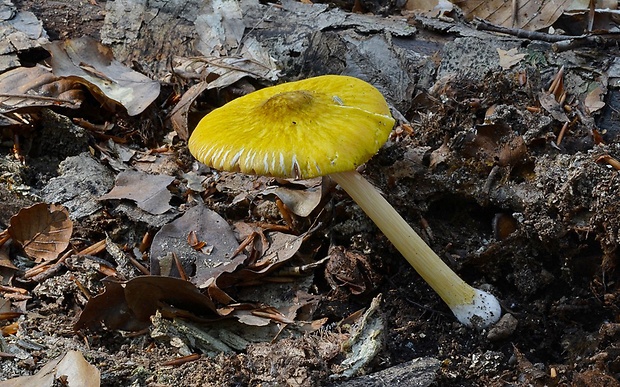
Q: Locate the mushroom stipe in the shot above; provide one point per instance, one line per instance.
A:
(329, 125)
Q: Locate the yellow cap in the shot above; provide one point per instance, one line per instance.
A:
(302, 129)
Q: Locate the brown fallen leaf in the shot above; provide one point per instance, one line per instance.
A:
(281, 248)
(92, 64)
(531, 14)
(350, 270)
(129, 305)
(178, 116)
(301, 202)
(28, 87)
(208, 227)
(551, 105)
(43, 232)
(509, 58)
(440, 155)
(595, 100)
(496, 144)
(150, 192)
(70, 369)
(5, 261)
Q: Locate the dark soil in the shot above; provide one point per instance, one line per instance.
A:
(533, 223)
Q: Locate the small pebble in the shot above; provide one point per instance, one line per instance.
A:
(504, 328)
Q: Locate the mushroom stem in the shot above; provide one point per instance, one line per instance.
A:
(472, 307)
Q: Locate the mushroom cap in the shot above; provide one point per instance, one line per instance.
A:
(302, 129)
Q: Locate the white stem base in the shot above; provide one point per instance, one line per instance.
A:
(466, 303)
(481, 313)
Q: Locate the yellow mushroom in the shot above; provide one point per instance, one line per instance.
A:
(329, 125)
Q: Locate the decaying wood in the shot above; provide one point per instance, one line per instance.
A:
(304, 39)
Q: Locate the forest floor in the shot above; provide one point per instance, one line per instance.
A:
(477, 165)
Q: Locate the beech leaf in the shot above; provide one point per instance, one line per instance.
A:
(28, 87)
(207, 226)
(87, 61)
(43, 232)
(531, 14)
(70, 369)
(129, 305)
(150, 192)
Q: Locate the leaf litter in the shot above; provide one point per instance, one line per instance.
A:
(245, 270)
(70, 369)
(42, 231)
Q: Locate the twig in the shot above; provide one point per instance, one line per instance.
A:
(82, 288)
(180, 267)
(614, 163)
(37, 97)
(12, 289)
(484, 25)
(181, 360)
(139, 266)
(557, 81)
(562, 132)
(560, 42)
(4, 236)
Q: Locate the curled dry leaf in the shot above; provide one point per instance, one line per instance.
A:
(43, 232)
(301, 202)
(281, 248)
(178, 116)
(496, 144)
(70, 369)
(129, 305)
(88, 62)
(27, 87)
(350, 270)
(254, 61)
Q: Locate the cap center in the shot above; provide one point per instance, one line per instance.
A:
(289, 101)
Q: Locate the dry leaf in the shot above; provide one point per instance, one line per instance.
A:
(531, 14)
(27, 87)
(129, 305)
(42, 232)
(70, 369)
(495, 144)
(86, 61)
(551, 105)
(439, 155)
(208, 227)
(282, 247)
(150, 192)
(254, 62)
(301, 202)
(350, 270)
(5, 261)
(509, 58)
(594, 99)
(178, 116)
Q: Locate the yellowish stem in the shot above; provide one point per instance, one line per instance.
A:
(455, 292)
